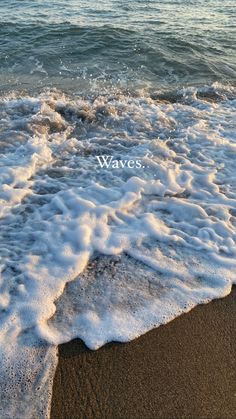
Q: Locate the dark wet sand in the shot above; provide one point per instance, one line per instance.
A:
(186, 369)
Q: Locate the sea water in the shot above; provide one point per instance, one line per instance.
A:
(117, 172)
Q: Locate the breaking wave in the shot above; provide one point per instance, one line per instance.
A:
(107, 253)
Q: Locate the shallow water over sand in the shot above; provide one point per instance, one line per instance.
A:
(117, 172)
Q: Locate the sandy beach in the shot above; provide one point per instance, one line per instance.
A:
(185, 369)
(117, 209)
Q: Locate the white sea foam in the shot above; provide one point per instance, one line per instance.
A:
(140, 246)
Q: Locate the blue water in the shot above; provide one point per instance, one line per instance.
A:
(133, 44)
(139, 81)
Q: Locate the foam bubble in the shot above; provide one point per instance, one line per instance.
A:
(168, 223)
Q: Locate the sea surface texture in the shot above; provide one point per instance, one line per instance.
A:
(117, 175)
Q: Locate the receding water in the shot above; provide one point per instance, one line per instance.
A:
(107, 252)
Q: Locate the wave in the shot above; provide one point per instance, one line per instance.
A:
(108, 251)
(43, 52)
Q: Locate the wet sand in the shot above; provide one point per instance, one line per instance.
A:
(185, 369)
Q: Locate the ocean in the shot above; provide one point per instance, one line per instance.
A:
(135, 45)
(117, 172)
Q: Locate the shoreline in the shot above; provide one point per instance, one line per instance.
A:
(184, 369)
